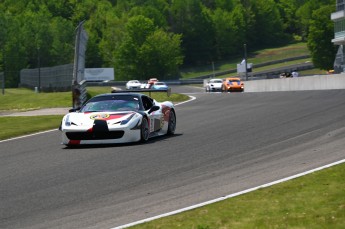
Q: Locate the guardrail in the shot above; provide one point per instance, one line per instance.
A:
(117, 90)
(316, 82)
(220, 73)
(255, 75)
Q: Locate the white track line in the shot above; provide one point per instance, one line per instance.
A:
(29, 135)
(228, 196)
(191, 99)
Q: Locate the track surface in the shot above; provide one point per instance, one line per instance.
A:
(224, 143)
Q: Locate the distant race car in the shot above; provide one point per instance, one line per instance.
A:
(159, 85)
(214, 85)
(133, 84)
(149, 83)
(232, 84)
(118, 118)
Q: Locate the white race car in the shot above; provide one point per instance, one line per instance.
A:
(133, 84)
(214, 85)
(118, 118)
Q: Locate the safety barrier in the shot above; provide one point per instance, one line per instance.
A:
(317, 82)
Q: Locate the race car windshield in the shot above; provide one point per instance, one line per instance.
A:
(234, 81)
(111, 104)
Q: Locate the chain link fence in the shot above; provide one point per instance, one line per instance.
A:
(49, 79)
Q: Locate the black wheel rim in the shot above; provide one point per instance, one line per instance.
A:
(172, 122)
(145, 130)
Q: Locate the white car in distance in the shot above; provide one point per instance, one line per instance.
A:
(214, 85)
(133, 84)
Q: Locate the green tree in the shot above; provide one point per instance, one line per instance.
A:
(321, 32)
(151, 12)
(14, 54)
(3, 38)
(161, 55)
(291, 24)
(268, 29)
(146, 51)
(62, 46)
(112, 37)
(229, 31)
(191, 19)
(305, 12)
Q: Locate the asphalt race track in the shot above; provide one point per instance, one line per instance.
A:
(224, 143)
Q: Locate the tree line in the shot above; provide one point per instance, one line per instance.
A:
(154, 38)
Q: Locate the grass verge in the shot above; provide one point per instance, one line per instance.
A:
(18, 126)
(21, 99)
(258, 57)
(313, 201)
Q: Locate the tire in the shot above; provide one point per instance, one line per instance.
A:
(172, 123)
(144, 130)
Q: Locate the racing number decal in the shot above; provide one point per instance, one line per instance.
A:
(162, 121)
(156, 123)
(152, 124)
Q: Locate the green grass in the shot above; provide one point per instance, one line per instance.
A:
(20, 99)
(258, 57)
(18, 126)
(313, 201)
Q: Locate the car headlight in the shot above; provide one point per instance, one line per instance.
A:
(67, 121)
(125, 121)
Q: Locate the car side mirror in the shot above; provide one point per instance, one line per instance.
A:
(154, 108)
(74, 109)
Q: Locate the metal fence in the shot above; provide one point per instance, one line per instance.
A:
(57, 78)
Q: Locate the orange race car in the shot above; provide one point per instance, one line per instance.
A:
(232, 84)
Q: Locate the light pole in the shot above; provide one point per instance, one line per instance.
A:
(3, 74)
(213, 70)
(39, 68)
(245, 61)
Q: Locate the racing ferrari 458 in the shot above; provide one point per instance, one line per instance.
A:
(118, 118)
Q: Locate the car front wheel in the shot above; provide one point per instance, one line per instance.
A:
(144, 130)
(172, 123)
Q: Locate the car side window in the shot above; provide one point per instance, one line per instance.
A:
(147, 102)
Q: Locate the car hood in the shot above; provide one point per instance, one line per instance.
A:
(88, 118)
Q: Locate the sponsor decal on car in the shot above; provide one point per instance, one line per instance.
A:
(99, 116)
(106, 116)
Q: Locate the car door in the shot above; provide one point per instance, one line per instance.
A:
(156, 119)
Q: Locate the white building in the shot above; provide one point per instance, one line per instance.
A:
(339, 35)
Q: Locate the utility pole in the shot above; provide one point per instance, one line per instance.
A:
(213, 70)
(39, 69)
(245, 61)
(3, 74)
